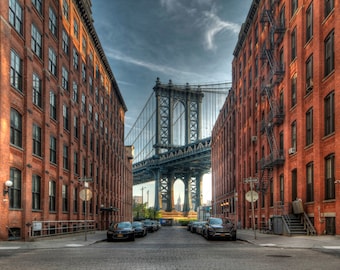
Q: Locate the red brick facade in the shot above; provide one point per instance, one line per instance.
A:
(279, 123)
(61, 119)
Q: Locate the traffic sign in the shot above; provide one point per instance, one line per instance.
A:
(252, 195)
(85, 194)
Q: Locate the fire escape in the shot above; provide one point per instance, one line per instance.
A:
(275, 116)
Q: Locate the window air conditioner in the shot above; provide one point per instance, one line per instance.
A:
(253, 138)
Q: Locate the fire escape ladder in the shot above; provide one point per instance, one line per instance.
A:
(274, 77)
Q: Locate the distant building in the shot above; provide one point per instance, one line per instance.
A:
(62, 122)
(137, 199)
(278, 124)
(179, 205)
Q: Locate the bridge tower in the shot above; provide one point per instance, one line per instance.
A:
(168, 96)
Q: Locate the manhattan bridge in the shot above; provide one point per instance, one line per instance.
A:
(172, 139)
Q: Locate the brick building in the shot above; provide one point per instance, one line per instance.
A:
(278, 124)
(61, 121)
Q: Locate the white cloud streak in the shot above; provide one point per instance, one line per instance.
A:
(169, 71)
(211, 24)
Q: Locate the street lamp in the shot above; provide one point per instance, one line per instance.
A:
(8, 184)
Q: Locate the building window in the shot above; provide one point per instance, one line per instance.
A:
(36, 140)
(15, 190)
(329, 178)
(53, 150)
(37, 95)
(75, 92)
(309, 22)
(329, 114)
(65, 117)
(293, 90)
(15, 15)
(75, 200)
(310, 182)
(91, 85)
(84, 46)
(84, 166)
(36, 41)
(64, 78)
(294, 184)
(36, 186)
(64, 195)
(84, 135)
(83, 103)
(309, 74)
(75, 29)
(38, 5)
(76, 162)
(75, 59)
(329, 7)
(75, 126)
(282, 189)
(309, 126)
(294, 4)
(65, 42)
(294, 135)
(52, 62)
(52, 22)
(83, 72)
(281, 142)
(282, 17)
(65, 9)
(293, 44)
(329, 53)
(53, 105)
(16, 71)
(52, 191)
(16, 128)
(65, 158)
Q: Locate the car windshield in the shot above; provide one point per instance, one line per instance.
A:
(216, 221)
(137, 224)
(123, 225)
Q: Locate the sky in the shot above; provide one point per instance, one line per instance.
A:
(187, 41)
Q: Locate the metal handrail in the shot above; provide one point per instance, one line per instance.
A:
(49, 228)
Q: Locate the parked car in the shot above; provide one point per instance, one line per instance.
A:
(121, 231)
(150, 226)
(194, 226)
(219, 228)
(190, 224)
(140, 229)
(199, 227)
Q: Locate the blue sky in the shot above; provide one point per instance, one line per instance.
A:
(182, 40)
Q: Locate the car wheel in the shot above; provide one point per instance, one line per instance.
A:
(233, 237)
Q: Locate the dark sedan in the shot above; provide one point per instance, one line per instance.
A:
(219, 228)
(121, 231)
(140, 229)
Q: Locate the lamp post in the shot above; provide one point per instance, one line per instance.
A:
(8, 185)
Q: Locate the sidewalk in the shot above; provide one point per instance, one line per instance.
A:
(262, 239)
(281, 241)
(62, 241)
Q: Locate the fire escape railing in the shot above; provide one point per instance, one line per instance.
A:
(276, 114)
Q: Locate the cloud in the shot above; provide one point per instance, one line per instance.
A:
(169, 71)
(215, 26)
(204, 13)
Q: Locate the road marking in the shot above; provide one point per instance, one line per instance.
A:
(267, 245)
(74, 245)
(331, 247)
(4, 248)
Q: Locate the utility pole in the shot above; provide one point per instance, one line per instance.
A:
(85, 195)
(252, 196)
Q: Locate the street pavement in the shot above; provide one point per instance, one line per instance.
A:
(256, 238)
